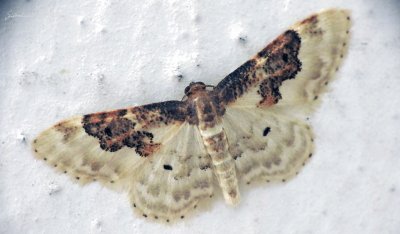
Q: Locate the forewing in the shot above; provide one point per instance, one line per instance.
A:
(283, 80)
(173, 183)
(153, 152)
(324, 44)
(109, 146)
(266, 145)
(292, 70)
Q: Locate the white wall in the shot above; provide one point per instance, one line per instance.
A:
(61, 58)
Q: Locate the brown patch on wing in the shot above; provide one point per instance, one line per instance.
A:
(311, 24)
(169, 112)
(282, 63)
(114, 132)
(279, 61)
(236, 84)
(67, 131)
(116, 129)
(310, 20)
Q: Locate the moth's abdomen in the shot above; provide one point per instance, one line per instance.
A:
(216, 143)
(224, 165)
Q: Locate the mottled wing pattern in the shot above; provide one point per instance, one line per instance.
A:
(267, 146)
(284, 79)
(174, 182)
(108, 146)
(294, 69)
(150, 151)
(324, 44)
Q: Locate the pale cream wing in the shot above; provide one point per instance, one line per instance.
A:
(150, 151)
(294, 69)
(170, 185)
(266, 145)
(324, 44)
(109, 146)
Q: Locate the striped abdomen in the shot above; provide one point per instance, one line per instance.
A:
(215, 141)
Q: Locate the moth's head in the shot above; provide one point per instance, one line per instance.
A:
(194, 87)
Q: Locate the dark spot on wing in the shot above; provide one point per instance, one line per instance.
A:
(205, 167)
(167, 167)
(285, 58)
(108, 131)
(266, 131)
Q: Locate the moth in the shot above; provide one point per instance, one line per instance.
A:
(172, 156)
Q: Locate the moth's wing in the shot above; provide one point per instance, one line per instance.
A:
(266, 145)
(170, 185)
(294, 69)
(151, 151)
(281, 81)
(324, 44)
(109, 146)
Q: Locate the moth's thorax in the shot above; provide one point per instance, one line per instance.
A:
(206, 109)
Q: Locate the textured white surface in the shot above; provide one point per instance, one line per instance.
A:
(61, 58)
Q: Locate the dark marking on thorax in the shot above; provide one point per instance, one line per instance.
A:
(207, 108)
